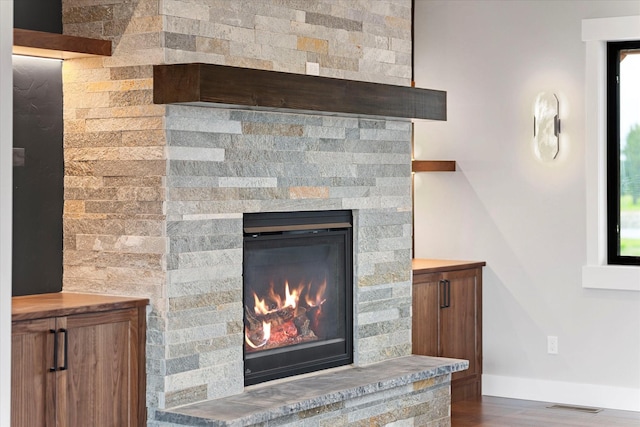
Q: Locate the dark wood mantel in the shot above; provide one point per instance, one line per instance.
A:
(233, 86)
(59, 46)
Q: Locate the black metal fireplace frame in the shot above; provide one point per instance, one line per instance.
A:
(303, 358)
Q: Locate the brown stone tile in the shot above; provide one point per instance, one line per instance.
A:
(210, 45)
(130, 97)
(332, 21)
(129, 168)
(144, 137)
(133, 181)
(313, 45)
(92, 139)
(145, 24)
(79, 168)
(129, 207)
(87, 14)
(261, 64)
(92, 226)
(250, 128)
(309, 192)
(74, 207)
(338, 62)
(91, 193)
(131, 72)
(203, 300)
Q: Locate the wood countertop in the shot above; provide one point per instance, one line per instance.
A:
(421, 265)
(67, 303)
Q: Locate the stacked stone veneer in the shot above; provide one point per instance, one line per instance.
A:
(154, 195)
(223, 163)
(368, 40)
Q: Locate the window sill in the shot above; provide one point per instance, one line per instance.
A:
(611, 277)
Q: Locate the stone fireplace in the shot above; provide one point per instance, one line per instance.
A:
(225, 163)
(156, 195)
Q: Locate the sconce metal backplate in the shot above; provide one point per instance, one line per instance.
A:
(546, 126)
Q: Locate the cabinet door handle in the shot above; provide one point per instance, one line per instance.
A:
(66, 345)
(55, 350)
(445, 293)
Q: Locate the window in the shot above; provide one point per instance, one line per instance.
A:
(623, 152)
(597, 272)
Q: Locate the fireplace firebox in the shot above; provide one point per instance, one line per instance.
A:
(298, 292)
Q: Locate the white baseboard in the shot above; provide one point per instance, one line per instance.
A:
(593, 395)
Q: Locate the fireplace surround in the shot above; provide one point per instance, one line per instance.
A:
(155, 194)
(228, 164)
(297, 286)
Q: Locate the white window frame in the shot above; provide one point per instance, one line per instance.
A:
(597, 274)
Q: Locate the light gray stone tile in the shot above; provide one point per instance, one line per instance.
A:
(197, 125)
(188, 275)
(196, 153)
(184, 9)
(203, 243)
(377, 316)
(182, 364)
(254, 182)
(273, 24)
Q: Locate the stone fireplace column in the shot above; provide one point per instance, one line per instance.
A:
(154, 195)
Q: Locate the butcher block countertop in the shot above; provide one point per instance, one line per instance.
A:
(421, 265)
(67, 303)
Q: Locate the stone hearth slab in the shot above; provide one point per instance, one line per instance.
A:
(277, 403)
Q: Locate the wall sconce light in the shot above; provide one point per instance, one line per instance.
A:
(546, 126)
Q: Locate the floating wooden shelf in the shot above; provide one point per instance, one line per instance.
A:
(233, 86)
(58, 46)
(433, 166)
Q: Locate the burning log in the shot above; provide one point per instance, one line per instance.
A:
(276, 322)
(251, 319)
(302, 323)
(277, 317)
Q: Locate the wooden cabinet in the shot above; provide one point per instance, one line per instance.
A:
(447, 318)
(78, 360)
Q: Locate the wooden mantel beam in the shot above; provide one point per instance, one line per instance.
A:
(234, 86)
(59, 46)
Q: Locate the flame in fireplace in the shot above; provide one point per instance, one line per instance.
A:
(290, 299)
(277, 320)
(318, 299)
(266, 333)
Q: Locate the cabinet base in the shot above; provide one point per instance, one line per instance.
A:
(466, 388)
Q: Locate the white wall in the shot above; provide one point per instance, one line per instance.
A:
(6, 119)
(525, 218)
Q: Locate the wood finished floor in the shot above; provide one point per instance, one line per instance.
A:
(495, 411)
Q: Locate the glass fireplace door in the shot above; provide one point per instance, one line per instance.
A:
(297, 296)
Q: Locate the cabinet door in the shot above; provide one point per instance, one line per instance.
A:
(459, 321)
(425, 314)
(32, 383)
(100, 383)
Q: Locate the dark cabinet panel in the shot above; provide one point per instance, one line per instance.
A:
(78, 360)
(38, 174)
(447, 318)
(39, 15)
